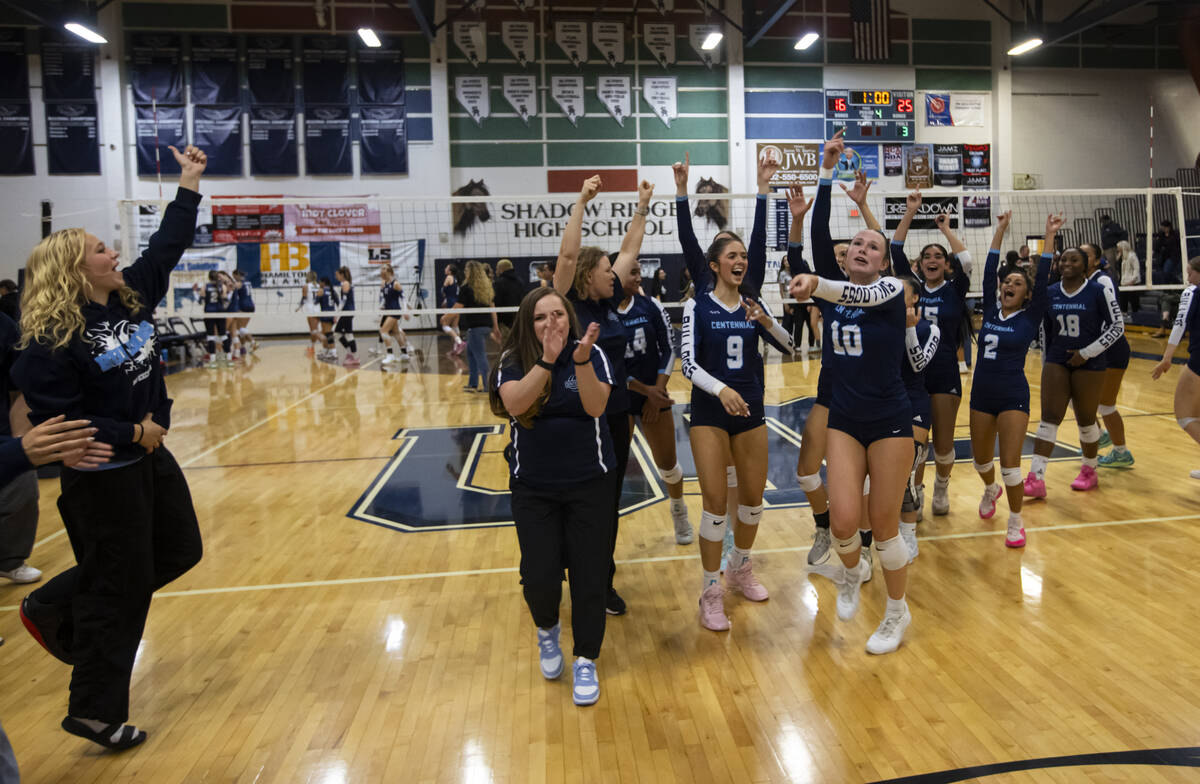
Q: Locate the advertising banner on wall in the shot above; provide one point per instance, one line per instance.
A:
(474, 94)
(893, 160)
(233, 222)
(660, 93)
(344, 222)
(327, 140)
(218, 131)
(931, 207)
(977, 165)
(273, 140)
(947, 165)
(659, 38)
(72, 138)
(918, 166)
(520, 90)
(609, 38)
(16, 138)
(799, 162)
(567, 92)
(860, 157)
(977, 212)
(366, 258)
(614, 92)
(471, 40)
(966, 109)
(572, 38)
(519, 39)
(937, 109)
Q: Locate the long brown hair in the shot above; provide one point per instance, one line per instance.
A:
(588, 258)
(523, 345)
(479, 284)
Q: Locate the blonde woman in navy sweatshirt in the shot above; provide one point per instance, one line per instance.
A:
(88, 336)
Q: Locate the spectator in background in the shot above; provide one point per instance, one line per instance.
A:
(687, 289)
(1131, 275)
(658, 286)
(10, 300)
(1168, 254)
(19, 495)
(508, 293)
(1110, 234)
(545, 274)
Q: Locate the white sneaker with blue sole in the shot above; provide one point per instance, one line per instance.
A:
(549, 654)
(587, 686)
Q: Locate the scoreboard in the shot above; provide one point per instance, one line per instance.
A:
(870, 115)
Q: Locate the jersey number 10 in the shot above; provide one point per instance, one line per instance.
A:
(847, 339)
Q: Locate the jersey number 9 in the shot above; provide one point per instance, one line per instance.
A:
(847, 339)
(733, 351)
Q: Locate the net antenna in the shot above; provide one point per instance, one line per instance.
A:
(157, 143)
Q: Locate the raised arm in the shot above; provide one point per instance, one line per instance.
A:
(1181, 322)
(824, 258)
(756, 254)
(799, 207)
(1040, 302)
(955, 243)
(858, 194)
(568, 250)
(693, 254)
(900, 263)
(631, 244)
(991, 265)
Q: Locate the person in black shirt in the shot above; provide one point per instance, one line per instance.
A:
(10, 300)
(91, 355)
(1111, 233)
(509, 293)
(476, 292)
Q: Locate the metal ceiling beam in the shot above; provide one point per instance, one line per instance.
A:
(1055, 32)
(422, 11)
(781, 9)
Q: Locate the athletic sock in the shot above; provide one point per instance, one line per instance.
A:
(865, 536)
(895, 606)
(678, 505)
(1120, 450)
(738, 557)
(710, 578)
(1091, 462)
(941, 483)
(822, 519)
(1037, 466)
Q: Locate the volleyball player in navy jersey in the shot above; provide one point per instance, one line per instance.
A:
(215, 301)
(240, 325)
(921, 340)
(721, 328)
(649, 360)
(345, 323)
(553, 387)
(449, 321)
(870, 418)
(1013, 309)
(593, 284)
(1085, 321)
(945, 277)
(1117, 358)
(327, 301)
(391, 298)
(1187, 391)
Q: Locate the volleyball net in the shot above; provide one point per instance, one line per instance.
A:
(278, 242)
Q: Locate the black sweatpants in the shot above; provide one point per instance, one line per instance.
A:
(566, 525)
(621, 431)
(133, 530)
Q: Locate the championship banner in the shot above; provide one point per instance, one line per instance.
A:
(659, 38)
(567, 92)
(157, 72)
(799, 162)
(68, 71)
(471, 40)
(474, 95)
(977, 212)
(14, 71)
(518, 38)
(966, 109)
(273, 147)
(660, 93)
(327, 140)
(215, 69)
(326, 71)
(947, 165)
(609, 38)
(571, 37)
(893, 160)
(381, 75)
(931, 207)
(520, 91)
(918, 166)
(154, 131)
(16, 139)
(614, 92)
(345, 222)
(269, 72)
(384, 144)
(977, 165)
(697, 35)
(218, 131)
(72, 138)
(937, 109)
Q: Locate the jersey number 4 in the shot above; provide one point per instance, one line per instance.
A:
(637, 345)
(847, 339)
(1068, 325)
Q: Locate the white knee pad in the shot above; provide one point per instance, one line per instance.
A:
(983, 468)
(750, 515)
(847, 546)
(893, 553)
(243, 331)
(448, 330)
(1104, 410)
(730, 476)
(671, 475)
(944, 458)
(1185, 421)
(867, 484)
(1089, 434)
(1012, 476)
(712, 527)
(1047, 432)
(809, 482)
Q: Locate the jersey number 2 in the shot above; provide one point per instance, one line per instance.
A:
(847, 339)
(990, 343)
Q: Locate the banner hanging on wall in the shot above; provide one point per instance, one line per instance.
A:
(356, 221)
(947, 165)
(609, 38)
(860, 157)
(519, 39)
(16, 138)
(977, 212)
(155, 130)
(966, 109)
(698, 34)
(218, 131)
(72, 138)
(937, 109)
(14, 69)
(660, 93)
(931, 207)
(365, 258)
(918, 166)
(798, 162)
(571, 37)
(214, 69)
(326, 71)
(384, 143)
(273, 141)
(474, 95)
(381, 75)
(269, 69)
(520, 90)
(471, 40)
(157, 73)
(567, 92)
(327, 140)
(977, 165)
(893, 160)
(659, 38)
(68, 71)
(615, 94)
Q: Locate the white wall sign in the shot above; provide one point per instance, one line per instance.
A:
(572, 38)
(471, 39)
(567, 92)
(967, 108)
(473, 93)
(660, 40)
(659, 92)
(520, 90)
(609, 38)
(518, 39)
(697, 35)
(614, 92)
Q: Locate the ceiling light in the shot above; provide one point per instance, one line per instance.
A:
(1025, 46)
(368, 37)
(711, 42)
(807, 40)
(86, 33)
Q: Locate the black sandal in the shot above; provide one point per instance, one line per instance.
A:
(129, 737)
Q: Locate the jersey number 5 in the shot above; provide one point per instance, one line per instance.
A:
(733, 351)
(847, 339)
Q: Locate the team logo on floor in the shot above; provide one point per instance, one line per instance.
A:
(456, 477)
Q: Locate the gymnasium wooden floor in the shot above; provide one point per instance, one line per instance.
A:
(312, 647)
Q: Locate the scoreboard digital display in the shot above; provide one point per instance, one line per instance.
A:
(870, 115)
